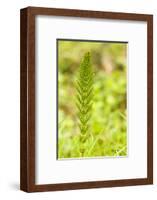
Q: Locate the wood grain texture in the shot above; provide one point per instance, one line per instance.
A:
(150, 98)
(23, 100)
(27, 98)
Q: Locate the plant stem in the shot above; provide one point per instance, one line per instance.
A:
(84, 97)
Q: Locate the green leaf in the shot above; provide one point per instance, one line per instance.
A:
(84, 88)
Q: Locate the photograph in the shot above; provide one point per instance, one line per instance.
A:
(86, 99)
(91, 99)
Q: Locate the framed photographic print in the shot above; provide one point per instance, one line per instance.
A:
(86, 99)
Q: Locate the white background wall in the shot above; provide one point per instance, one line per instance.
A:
(10, 99)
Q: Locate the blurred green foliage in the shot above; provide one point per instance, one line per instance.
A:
(108, 131)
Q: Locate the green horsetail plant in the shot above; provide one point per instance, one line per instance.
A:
(84, 97)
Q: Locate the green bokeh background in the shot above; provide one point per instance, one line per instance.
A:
(108, 123)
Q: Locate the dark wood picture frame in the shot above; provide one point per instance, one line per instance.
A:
(27, 98)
